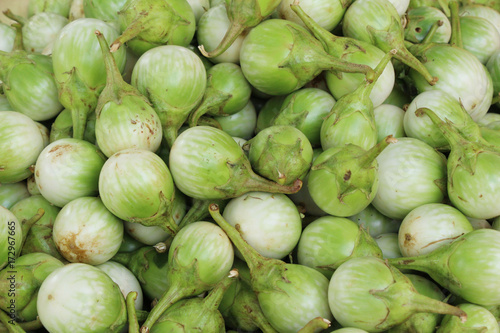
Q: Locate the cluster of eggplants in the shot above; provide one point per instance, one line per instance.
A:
(244, 165)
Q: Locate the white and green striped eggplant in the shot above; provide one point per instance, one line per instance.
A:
(430, 226)
(124, 117)
(473, 174)
(480, 37)
(219, 169)
(146, 24)
(242, 15)
(301, 288)
(279, 56)
(211, 29)
(200, 256)
(411, 173)
(29, 85)
(81, 298)
(174, 80)
(467, 267)
(136, 185)
(355, 51)
(384, 296)
(79, 68)
(20, 144)
(460, 74)
(68, 169)
(329, 241)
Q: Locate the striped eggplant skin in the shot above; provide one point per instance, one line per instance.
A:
(480, 10)
(460, 74)
(478, 319)
(86, 231)
(20, 144)
(198, 160)
(30, 87)
(174, 79)
(389, 120)
(134, 184)
(8, 36)
(493, 66)
(81, 298)
(68, 169)
(327, 13)
(480, 37)
(430, 226)
(420, 21)
(77, 47)
(131, 124)
(445, 106)
(41, 30)
(61, 7)
(348, 82)
(411, 173)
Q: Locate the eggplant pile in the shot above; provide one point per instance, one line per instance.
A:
(250, 166)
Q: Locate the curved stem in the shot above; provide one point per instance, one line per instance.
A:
(132, 30)
(27, 224)
(172, 295)
(456, 32)
(232, 33)
(133, 324)
(10, 324)
(432, 31)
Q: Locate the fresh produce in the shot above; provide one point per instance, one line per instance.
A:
(384, 297)
(177, 155)
(449, 265)
(81, 298)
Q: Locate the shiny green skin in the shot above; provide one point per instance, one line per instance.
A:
(11, 238)
(375, 222)
(29, 85)
(279, 56)
(468, 267)
(10, 193)
(389, 120)
(136, 184)
(269, 110)
(208, 245)
(29, 273)
(301, 295)
(305, 109)
(105, 10)
(199, 175)
(39, 237)
(281, 153)
(240, 124)
(479, 319)
(339, 184)
(20, 143)
(493, 66)
(150, 268)
(328, 241)
(165, 22)
(81, 298)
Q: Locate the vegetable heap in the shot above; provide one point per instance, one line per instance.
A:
(250, 166)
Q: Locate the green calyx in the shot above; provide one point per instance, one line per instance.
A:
(307, 58)
(402, 300)
(393, 38)
(184, 281)
(265, 273)
(149, 23)
(116, 88)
